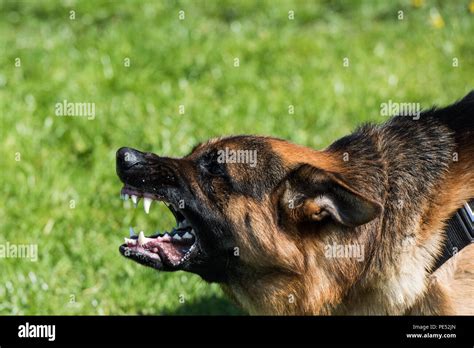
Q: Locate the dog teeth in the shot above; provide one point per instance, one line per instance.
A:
(130, 241)
(135, 200)
(132, 232)
(187, 235)
(147, 204)
(141, 238)
(166, 237)
(177, 237)
(192, 232)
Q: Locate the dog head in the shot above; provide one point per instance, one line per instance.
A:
(247, 209)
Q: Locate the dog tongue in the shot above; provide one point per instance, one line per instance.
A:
(173, 252)
(172, 249)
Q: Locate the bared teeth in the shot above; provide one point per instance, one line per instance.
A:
(130, 241)
(141, 238)
(166, 237)
(147, 204)
(187, 235)
(175, 235)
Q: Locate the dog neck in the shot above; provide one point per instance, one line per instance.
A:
(419, 197)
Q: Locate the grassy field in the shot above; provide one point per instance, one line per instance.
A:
(235, 66)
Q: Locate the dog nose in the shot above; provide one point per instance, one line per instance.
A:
(128, 157)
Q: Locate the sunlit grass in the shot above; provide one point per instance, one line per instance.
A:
(190, 62)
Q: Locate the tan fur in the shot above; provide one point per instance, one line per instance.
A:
(293, 154)
(354, 229)
(317, 286)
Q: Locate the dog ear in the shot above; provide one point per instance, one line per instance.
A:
(312, 194)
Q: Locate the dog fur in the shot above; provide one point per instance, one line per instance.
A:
(389, 187)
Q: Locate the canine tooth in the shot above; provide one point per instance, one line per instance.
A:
(135, 200)
(177, 237)
(192, 232)
(187, 235)
(130, 241)
(141, 238)
(126, 197)
(132, 232)
(147, 204)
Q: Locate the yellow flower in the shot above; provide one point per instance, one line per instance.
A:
(418, 3)
(436, 20)
(471, 6)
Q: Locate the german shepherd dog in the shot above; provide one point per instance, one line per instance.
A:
(284, 229)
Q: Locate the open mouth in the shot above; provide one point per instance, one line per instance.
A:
(167, 250)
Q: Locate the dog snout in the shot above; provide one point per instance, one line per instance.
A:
(128, 158)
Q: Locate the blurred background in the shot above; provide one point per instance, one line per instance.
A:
(163, 76)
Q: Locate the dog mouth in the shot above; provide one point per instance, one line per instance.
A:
(168, 250)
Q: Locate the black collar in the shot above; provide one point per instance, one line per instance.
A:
(459, 233)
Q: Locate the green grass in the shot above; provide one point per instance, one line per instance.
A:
(186, 62)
